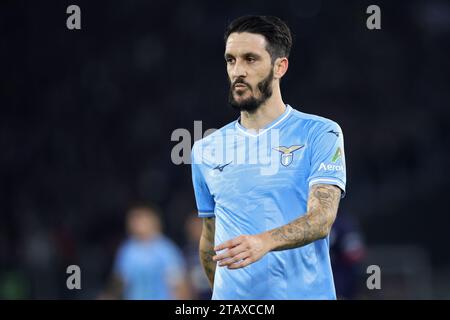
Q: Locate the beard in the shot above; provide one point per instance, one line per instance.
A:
(251, 104)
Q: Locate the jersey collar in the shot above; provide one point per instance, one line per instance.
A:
(271, 125)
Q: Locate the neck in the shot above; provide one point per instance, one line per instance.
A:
(147, 236)
(270, 110)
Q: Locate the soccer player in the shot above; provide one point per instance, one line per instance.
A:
(148, 265)
(265, 233)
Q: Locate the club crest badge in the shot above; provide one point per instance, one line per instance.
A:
(287, 153)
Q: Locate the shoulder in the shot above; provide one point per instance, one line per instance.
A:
(125, 247)
(314, 120)
(167, 243)
(316, 124)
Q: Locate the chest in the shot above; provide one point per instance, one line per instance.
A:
(267, 164)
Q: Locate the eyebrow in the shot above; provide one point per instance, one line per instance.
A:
(245, 55)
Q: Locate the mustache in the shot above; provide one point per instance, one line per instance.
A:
(241, 81)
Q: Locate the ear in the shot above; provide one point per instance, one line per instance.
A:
(280, 67)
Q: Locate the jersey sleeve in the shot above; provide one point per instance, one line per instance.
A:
(203, 198)
(328, 157)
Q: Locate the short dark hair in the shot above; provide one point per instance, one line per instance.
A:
(277, 33)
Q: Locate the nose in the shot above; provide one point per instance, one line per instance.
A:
(238, 71)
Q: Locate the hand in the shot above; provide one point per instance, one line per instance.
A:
(241, 251)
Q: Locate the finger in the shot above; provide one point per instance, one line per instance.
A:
(241, 264)
(224, 245)
(228, 244)
(230, 253)
(235, 259)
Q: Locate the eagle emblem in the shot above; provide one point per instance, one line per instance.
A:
(287, 153)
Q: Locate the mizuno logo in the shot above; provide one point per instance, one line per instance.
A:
(220, 168)
(337, 133)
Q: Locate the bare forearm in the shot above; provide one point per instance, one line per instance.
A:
(206, 249)
(315, 224)
(181, 290)
(206, 254)
(298, 233)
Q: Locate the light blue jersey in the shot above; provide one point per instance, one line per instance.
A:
(254, 182)
(149, 269)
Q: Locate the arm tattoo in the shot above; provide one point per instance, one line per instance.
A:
(207, 249)
(323, 203)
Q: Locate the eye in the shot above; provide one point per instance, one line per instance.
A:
(251, 59)
(229, 60)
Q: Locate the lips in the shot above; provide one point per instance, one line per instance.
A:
(240, 86)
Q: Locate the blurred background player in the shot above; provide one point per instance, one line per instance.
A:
(148, 265)
(198, 281)
(347, 251)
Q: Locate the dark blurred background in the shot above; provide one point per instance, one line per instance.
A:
(86, 118)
